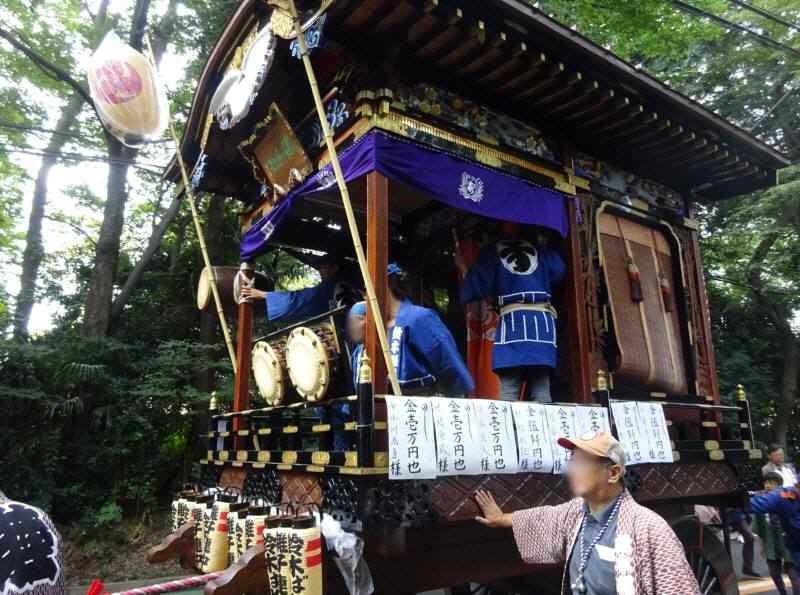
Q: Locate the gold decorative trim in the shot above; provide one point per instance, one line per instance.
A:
(490, 156)
(364, 470)
(321, 458)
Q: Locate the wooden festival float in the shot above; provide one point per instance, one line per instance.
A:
(586, 142)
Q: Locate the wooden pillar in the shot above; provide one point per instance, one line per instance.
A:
(244, 349)
(701, 302)
(377, 261)
(580, 377)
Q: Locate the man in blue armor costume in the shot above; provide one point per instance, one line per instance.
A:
(423, 351)
(520, 274)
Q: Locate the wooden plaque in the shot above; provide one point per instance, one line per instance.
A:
(275, 153)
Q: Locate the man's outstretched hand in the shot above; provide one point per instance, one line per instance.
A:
(492, 515)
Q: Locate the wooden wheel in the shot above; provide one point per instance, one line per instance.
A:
(707, 557)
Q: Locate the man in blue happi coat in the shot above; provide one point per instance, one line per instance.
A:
(783, 502)
(521, 276)
(423, 351)
(333, 292)
(356, 320)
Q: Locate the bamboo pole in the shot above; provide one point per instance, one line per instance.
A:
(348, 207)
(187, 186)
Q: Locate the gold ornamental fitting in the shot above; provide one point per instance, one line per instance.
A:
(213, 403)
(602, 380)
(364, 370)
(740, 394)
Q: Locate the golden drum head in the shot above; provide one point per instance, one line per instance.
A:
(307, 363)
(268, 373)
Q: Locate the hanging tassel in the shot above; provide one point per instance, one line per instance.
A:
(635, 281)
(666, 293)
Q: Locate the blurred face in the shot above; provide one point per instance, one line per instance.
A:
(588, 474)
(771, 485)
(777, 457)
(355, 329)
(328, 270)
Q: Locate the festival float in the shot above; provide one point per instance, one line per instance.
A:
(409, 129)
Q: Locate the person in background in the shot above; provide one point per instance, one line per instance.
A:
(611, 544)
(521, 276)
(340, 413)
(334, 291)
(777, 464)
(356, 319)
(768, 528)
(738, 520)
(30, 551)
(423, 351)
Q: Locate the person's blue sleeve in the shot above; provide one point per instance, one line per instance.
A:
(769, 502)
(303, 303)
(444, 358)
(479, 281)
(355, 360)
(556, 267)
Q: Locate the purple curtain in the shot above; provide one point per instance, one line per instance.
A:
(456, 182)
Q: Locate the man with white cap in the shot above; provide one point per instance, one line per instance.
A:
(611, 544)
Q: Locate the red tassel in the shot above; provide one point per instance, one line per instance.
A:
(96, 588)
(635, 281)
(666, 294)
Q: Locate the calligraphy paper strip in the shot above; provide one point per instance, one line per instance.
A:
(458, 446)
(561, 421)
(591, 419)
(654, 424)
(629, 431)
(496, 431)
(412, 443)
(534, 440)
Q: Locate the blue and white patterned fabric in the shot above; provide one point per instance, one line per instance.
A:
(424, 352)
(517, 272)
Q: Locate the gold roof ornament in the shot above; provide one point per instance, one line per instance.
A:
(213, 403)
(282, 22)
(741, 395)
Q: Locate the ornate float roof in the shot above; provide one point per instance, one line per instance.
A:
(512, 58)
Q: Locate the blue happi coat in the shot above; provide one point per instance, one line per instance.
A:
(785, 504)
(355, 361)
(517, 272)
(424, 352)
(310, 302)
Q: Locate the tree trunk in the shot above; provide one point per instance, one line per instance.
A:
(34, 250)
(97, 310)
(789, 379)
(135, 277)
(215, 242)
(175, 250)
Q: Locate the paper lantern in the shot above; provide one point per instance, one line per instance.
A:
(127, 93)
